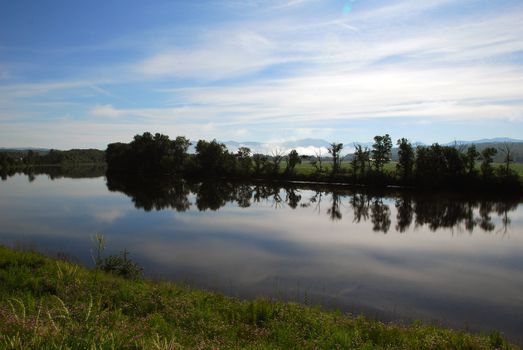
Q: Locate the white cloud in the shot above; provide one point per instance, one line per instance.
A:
(289, 74)
(106, 111)
(222, 54)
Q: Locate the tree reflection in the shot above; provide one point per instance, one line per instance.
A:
(380, 216)
(244, 194)
(485, 222)
(360, 203)
(334, 210)
(404, 213)
(213, 195)
(434, 211)
(148, 193)
(292, 197)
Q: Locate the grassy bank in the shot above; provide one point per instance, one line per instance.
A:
(49, 304)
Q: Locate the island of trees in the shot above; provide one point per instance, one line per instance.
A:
(435, 166)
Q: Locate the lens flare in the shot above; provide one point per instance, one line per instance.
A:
(347, 7)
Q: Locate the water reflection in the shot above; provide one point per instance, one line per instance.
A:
(390, 254)
(57, 172)
(433, 211)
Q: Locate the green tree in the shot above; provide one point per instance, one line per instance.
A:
(436, 165)
(381, 151)
(317, 162)
(211, 157)
(243, 157)
(470, 159)
(277, 157)
(360, 159)
(335, 151)
(487, 158)
(293, 159)
(406, 159)
(260, 163)
(118, 156)
(506, 149)
(180, 148)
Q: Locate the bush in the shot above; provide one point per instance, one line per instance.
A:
(121, 265)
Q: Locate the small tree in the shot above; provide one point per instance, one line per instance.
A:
(335, 151)
(260, 163)
(360, 160)
(406, 159)
(470, 159)
(180, 146)
(243, 157)
(318, 162)
(486, 165)
(277, 157)
(381, 151)
(506, 149)
(293, 158)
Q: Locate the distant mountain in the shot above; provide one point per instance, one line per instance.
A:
(24, 149)
(493, 140)
(309, 146)
(303, 146)
(17, 149)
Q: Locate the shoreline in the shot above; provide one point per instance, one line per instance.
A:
(48, 303)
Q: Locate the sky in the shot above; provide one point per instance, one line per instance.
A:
(78, 74)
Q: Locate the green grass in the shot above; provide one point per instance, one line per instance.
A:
(306, 168)
(51, 304)
(517, 167)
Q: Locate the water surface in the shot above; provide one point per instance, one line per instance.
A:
(448, 259)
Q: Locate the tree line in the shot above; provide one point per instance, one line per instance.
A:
(10, 160)
(422, 166)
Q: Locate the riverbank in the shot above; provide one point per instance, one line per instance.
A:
(51, 303)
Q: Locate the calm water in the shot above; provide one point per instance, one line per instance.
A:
(392, 255)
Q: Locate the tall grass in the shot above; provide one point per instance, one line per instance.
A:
(48, 304)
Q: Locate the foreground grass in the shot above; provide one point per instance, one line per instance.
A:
(51, 304)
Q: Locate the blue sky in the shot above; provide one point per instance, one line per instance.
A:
(83, 74)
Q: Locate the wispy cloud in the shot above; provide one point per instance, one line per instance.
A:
(286, 68)
(220, 55)
(106, 111)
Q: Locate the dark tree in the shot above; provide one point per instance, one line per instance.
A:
(243, 156)
(335, 151)
(146, 153)
(406, 159)
(470, 159)
(487, 158)
(439, 165)
(318, 161)
(381, 151)
(261, 163)
(506, 149)
(293, 159)
(277, 157)
(211, 157)
(360, 159)
(180, 147)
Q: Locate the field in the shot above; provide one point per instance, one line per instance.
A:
(53, 304)
(306, 168)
